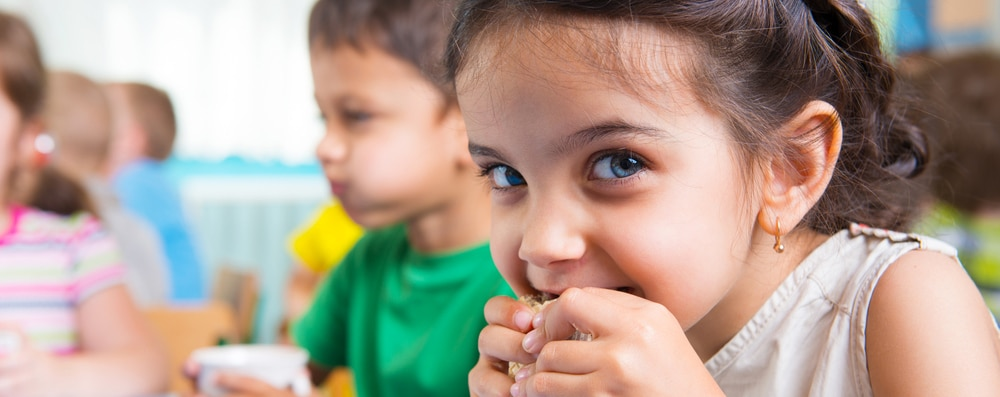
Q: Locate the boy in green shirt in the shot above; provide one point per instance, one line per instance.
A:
(404, 308)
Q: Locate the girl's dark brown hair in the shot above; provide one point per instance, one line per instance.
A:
(21, 66)
(413, 30)
(23, 77)
(760, 63)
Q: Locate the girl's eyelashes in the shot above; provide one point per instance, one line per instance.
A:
(502, 176)
(614, 165)
(618, 164)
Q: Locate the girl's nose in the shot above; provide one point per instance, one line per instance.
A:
(552, 234)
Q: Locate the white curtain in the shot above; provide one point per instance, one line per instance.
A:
(237, 70)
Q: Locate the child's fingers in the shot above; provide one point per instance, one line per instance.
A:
(237, 385)
(503, 344)
(191, 369)
(617, 297)
(561, 319)
(505, 311)
(488, 380)
(571, 357)
(598, 312)
(550, 384)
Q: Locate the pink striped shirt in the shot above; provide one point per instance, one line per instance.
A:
(49, 264)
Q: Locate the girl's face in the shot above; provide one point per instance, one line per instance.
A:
(595, 185)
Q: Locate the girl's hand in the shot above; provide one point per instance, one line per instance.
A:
(25, 371)
(499, 343)
(638, 349)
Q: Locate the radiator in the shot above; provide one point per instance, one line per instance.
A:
(244, 222)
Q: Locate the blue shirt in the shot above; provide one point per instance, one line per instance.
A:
(144, 189)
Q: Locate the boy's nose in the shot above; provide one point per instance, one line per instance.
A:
(552, 234)
(332, 148)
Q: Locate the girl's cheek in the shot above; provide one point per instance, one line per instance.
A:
(511, 269)
(504, 247)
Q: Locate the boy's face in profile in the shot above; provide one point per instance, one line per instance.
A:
(389, 151)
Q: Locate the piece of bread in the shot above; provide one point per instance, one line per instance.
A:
(537, 303)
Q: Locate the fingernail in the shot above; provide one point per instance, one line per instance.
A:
(532, 341)
(522, 374)
(515, 390)
(523, 320)
(538, 321)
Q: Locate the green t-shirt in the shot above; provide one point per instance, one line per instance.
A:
(406, 323)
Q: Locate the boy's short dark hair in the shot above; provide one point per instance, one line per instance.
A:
(963, 94)
(416, 31)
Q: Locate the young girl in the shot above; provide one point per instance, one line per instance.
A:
(685, 176)
(67, 325)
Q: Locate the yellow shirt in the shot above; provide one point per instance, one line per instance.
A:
(323, 242)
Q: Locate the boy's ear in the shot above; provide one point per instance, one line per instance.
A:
(136, 139)
(794, 181)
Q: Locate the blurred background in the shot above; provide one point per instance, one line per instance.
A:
(238, 74)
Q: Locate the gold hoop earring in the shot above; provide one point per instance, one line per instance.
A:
(778, 246)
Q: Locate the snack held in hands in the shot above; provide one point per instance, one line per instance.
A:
(537, 303)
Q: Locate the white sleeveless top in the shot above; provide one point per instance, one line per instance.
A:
(808, 339)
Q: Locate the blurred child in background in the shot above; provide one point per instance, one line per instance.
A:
(79, 120)
(68, 324)
(404, 308)
(963, 95)
(143, 131)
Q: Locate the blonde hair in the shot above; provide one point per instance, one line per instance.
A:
(78, 118)
(152, 109)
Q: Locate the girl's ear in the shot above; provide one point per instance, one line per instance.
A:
(29, 153)
(795, 181)
(27, 160)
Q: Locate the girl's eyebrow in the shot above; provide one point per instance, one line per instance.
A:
(484, 151)
(583, 137)
(606, 130)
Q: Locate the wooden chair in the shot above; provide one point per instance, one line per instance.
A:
(184, 329)
(239, 289)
